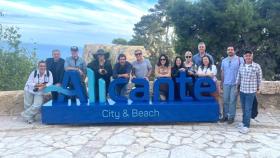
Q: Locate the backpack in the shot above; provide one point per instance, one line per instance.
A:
(35, 73)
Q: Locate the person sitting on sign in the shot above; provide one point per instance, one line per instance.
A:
(175, 72)
(102, 68)
(56, 66)
(163, 69)
(141, 68)
(208, 69)
(33, 95)
(76, 63)
(122, 69)
(191, 69)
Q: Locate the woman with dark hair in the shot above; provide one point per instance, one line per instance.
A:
(207, 69)
(163, 69)
(175, 72)
(102, 68)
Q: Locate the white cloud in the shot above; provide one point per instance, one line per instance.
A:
(112, 16)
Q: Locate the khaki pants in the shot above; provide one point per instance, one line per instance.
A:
(32, 104)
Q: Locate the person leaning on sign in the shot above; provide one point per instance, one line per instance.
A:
(102, 68)
(33, 91)
(163, 69)
(76, 63)
(248, 82)
(141, 68)
(56, 66)
(122, 69)
(175, 72)
(208, 69)
(190, 68)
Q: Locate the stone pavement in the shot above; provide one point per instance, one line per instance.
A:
(18, 139)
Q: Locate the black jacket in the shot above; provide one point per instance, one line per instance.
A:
(57, 69)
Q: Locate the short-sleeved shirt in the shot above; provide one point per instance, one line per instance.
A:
(230, 68)
(78, 63)
(141, 68)
(197, 59)
(119, 69)
(205, 70)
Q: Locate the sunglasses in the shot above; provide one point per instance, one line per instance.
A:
(138, 54)
(162, 59)
(188, 56)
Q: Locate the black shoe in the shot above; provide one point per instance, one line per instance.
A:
(223, 119)
(230, 121)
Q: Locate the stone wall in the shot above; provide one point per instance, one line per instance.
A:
(114, 51)
(11, 102)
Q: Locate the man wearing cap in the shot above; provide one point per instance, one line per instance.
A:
(248, 79)
(102, 68)
(197, 58)
(76, 63)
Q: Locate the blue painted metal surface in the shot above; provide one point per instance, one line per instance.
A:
(138, 109)
(143, 113)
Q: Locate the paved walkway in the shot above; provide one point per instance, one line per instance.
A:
(18, 139)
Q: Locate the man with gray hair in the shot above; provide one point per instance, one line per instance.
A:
(56, 66)
(197, 58)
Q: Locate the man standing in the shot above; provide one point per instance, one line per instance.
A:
(56, 66)
(33, 91)
(76, 63)
(249, 79)
(201, 53)
(141, 68)
(122, 69)
(229, 70)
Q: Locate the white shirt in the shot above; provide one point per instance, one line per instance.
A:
(32, 81)
(206, 71)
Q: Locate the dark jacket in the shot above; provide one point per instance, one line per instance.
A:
(57, 69)
(118, 69)
(94, 65)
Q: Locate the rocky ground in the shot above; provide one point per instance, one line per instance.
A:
(18, 139)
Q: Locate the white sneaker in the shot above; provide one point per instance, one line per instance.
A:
(244, 130)
(26, 118)
(240, 125)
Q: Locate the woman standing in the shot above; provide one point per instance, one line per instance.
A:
(175, 72)
(163, 69)
(207, 69)
(191, 69)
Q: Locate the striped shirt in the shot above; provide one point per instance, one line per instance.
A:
(249, 77)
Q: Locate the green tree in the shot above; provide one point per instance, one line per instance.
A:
(120, 41)
(16, 63)
(245, 24)
(154, 31)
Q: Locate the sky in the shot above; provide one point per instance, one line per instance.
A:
(73, 22)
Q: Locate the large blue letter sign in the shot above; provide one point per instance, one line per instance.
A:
(112, 90)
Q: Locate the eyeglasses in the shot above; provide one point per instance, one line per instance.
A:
(138, 54)
(188, 56)
(162, 59)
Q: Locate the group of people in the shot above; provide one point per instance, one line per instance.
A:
(238, 74)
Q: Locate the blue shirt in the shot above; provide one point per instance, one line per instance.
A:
(230, 68)
(78, 63)
(197, 59)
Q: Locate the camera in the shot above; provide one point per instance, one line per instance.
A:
(36, 88)
(103, 71)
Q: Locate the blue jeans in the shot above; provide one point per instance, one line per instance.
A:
(247, 104)
(121, 89)
(230, 99)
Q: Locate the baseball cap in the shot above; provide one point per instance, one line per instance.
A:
(74, 48)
